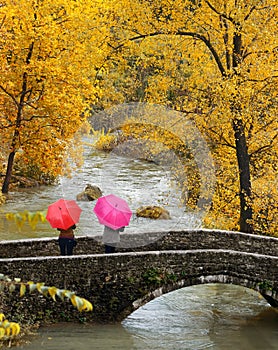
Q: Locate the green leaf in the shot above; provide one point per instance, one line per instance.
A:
(32, 286)
(44, 290)
(12, 287)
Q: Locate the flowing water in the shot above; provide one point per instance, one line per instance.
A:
(140, 183)
(215, 316)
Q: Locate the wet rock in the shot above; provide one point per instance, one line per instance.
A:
(153, 212)
(23, 182)
(90, 193)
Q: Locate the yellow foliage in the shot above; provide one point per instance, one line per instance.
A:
(2, 199)
(52, 292)
(11, 329)
(50, 56)
(20, 218)
(157, 140)
(8, 329)
(215, 61)
(22, 290)
(80, 303)
(106, 142)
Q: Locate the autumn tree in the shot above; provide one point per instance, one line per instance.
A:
(216, 61)
(50, 51)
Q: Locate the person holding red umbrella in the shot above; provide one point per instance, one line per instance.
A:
(63, 215)
(66, 240)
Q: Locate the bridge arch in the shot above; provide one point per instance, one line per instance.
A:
(189, 268)
(184, 283)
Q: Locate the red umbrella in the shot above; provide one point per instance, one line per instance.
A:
(63, 213)
(112, 211)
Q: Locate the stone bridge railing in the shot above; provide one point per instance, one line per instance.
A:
(119, 283)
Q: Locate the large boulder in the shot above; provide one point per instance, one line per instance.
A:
(90, 193)
(153, 212)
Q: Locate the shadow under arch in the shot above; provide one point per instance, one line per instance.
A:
(184, 282)
(214, 315)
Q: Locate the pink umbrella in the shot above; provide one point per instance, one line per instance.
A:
(63, 213)
(112, 211)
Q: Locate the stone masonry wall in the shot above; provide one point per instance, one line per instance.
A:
(114, 282)
(174, 240)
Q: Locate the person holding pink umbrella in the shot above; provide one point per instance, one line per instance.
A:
(114, 213)
(111, 238)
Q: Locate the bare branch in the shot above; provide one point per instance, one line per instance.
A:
(9, 94)
(249, 14)
(209, 46)
(219, 13)
(263, 148)
(2, 22)
(35, 117)
(226, 142)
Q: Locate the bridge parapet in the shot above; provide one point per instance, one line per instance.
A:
(155, 241)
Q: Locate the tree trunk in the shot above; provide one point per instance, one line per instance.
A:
(244, 177)
(245, 221)
(16, 136)
(7, 180)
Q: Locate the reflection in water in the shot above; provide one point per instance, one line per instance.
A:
(218, 317)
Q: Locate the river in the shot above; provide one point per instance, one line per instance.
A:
(140, 183)
(218, 317)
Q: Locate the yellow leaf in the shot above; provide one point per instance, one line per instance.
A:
(39, 287)
(79, 303)
(52, 292)
(15, 328)
(87, 305)
(22, 289)
(73, 300)
(2, 332)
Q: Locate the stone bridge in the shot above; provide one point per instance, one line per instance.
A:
(157, 263)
